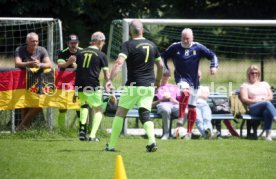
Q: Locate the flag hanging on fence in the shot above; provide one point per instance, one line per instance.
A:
(37, 88)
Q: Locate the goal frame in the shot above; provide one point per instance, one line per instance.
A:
(193, 22)
(50, 30)
(50, 50)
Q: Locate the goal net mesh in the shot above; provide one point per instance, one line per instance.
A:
(13, 34)
(236, 47)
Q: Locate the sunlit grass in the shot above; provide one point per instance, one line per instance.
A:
(58, 157)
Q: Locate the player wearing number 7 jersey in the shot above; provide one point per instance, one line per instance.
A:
(140, 55)
(90, 61)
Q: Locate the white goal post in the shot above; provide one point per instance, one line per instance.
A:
(13, 31)
(229, 39)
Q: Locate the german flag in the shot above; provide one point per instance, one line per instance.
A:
(37, 88)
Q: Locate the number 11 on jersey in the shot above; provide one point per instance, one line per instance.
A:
(86, 61)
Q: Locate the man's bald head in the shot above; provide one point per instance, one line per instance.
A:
(136, 28)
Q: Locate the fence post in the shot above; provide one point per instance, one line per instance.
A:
(12, 121)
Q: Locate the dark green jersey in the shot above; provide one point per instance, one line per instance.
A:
(65, 54)
(90, 61)
(140, 56)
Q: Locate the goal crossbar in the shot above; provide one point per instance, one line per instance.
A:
(212, 22)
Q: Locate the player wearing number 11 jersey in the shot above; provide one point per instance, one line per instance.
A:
(90, 61)
(140, 55)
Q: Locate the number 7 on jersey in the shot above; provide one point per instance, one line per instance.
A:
(147, 52)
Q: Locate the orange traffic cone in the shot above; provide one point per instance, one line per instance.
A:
(120, 172)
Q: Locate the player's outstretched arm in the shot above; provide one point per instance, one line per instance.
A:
(159, 74)
(117, 67)
(108, 84)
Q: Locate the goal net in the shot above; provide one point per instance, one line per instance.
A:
(237, 43)
(13, 32)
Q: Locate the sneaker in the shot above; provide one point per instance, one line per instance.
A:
(165, 137)
(82, 133)
(268, 138)
(208, 134)
(151, 148)
(108, 150)
(94, 139)
(82, 136)
(216, 135)
(188, 136)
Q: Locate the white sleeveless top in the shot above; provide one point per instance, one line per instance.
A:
(258, 91)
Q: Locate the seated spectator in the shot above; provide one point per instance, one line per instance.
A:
(166, 102)
(257, 95)
(31, 55)
(203, 113)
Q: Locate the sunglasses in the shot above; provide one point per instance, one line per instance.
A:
(254, 73)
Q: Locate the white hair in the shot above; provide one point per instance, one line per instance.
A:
(187, 30)
(31, 35)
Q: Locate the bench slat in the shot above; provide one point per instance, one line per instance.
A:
(250, 117)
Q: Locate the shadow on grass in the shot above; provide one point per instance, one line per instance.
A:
(85, 150)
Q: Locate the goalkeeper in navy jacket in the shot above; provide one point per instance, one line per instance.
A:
(186, 56)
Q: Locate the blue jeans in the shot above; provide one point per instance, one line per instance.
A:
(203, 117)
(266, 110)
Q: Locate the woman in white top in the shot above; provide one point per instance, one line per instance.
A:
(257, 95)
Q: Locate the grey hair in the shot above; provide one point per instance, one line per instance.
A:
(30, 35)
(187, 30)
(97, 36)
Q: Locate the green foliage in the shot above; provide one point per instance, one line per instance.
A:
(87, 16)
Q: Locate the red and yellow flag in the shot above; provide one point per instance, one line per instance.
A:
(37, 88)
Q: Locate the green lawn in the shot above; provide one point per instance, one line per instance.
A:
(49, 155)
(40, 154)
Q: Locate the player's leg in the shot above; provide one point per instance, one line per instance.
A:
(95, 100)
(117, 126)
(183, 101)
(61, 118)
(83, 116)
(191, 117)
(126, 102)
(78, 114)
(146, 95)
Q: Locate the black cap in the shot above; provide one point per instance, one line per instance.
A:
(73, 38)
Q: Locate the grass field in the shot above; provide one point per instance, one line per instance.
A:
(52, 156)
(41, 153)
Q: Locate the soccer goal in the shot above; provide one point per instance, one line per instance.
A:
(237, 43)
